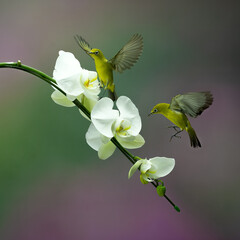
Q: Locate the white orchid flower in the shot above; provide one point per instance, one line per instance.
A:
(76, 82)
(124, 124)
(99, 142)
(153, 168)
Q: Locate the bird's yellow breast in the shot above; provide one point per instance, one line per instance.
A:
(104, 70)
(178, 118)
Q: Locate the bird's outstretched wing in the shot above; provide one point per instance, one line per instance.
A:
(83, 43)
(192, 103)
(129, 54)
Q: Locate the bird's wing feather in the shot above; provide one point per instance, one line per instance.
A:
(129, 54)
(192, 104)
(82, 43)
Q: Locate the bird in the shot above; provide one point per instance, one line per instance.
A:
(191, 104)
(125, 58)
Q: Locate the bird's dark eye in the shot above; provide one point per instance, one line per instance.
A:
(97, 52)
(155, 110)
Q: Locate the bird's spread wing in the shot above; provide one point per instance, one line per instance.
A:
(82, 43)
(129, 54)
(192, 104)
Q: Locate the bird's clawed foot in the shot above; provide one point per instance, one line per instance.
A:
(177, 129)
(175, 135)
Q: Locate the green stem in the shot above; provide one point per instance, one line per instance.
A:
(123, 150)
(83, 109)
(175, 206)
(18, 65)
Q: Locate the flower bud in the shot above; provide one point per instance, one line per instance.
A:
(161, 190)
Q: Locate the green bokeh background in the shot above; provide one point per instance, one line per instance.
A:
(52, 184)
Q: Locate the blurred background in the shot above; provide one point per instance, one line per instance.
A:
(52, 184)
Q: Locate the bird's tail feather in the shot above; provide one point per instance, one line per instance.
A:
(193, 137)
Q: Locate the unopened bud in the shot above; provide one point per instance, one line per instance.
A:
(161, 190)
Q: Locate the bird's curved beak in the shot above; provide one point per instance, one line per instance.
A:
(90, 52)
(150, 114)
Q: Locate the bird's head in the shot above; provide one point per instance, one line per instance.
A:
(96, 53)
(156, 109)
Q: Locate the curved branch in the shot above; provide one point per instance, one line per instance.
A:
(18, 65)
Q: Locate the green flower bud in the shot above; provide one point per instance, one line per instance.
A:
(161, 190)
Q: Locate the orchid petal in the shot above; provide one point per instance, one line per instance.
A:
(106, 150)
(88, 103)
(71, 97)
(130, 112)
(71, 84)
(66, 65)
(103, 116)
(145, 178)
(90, 83)
(134, 168)
(145, 166)
(67, 74)
(104, 139)
(61, 99)
(131, 142)
(162, 165)
(93, 137)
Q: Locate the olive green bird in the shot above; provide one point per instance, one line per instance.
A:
(191, 104)
(126, 57)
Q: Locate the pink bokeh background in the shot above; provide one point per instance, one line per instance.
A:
(53, 186)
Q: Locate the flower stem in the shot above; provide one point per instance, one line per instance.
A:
(175, 206)
(18, 65)
(83, 109)
(123, 150)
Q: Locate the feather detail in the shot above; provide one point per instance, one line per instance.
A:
(128, 55)
(192, 103)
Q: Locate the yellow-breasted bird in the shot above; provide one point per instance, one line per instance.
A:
(124, 59)
(192, 104)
